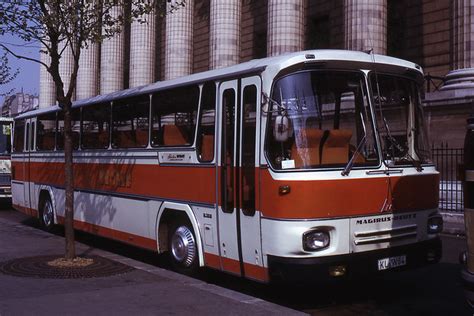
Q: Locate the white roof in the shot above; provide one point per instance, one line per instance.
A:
(253, 66)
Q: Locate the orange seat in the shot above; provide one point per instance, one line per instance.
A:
(173, 136)
(141, 137)
(305, 151)
(336, 147)
(207, 148)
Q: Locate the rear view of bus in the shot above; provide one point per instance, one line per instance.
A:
(5, 158)
(347, 183)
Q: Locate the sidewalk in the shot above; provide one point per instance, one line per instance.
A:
(148, 290)
(453, 223)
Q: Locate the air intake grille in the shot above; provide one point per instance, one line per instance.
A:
(5, 179)
(386, 235)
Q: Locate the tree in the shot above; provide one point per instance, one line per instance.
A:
(69, 24)
(7, 75)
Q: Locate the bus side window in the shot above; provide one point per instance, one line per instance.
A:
(205, 140)
(45, 133)
(75, 127)
(248, 149)
(18, 136)
(95, 129)
(130, 121)
(174, 114)
(33, 130)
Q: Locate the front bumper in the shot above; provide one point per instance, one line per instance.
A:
(302, 270)
(5, 192)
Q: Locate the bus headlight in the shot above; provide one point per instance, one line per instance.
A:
(435, 225)
(315, 240)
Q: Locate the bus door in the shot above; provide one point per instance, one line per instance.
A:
(30, 130)
(239, 225)
(248, 181)
(227, 218)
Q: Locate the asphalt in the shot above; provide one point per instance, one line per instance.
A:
(147, 290)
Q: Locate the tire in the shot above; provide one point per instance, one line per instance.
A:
(183, 253)
(47, 215)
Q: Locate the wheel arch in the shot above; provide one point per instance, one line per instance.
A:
(164, 215)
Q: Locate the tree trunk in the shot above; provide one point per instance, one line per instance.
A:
(69, 184)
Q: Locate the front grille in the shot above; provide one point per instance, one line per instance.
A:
(5, 179)
(385, 235)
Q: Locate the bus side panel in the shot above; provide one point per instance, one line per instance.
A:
(207, 221)
(122, 219)
(18, 186)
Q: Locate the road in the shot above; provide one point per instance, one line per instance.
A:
(432, 290)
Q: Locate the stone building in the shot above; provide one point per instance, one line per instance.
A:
(19, 103)
(208, 34)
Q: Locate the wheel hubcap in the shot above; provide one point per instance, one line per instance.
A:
(183, 246)
(48, 214)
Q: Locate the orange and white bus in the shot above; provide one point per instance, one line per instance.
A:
(312, 163)
(5, 159)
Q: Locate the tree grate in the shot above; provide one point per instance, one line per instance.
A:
(37, 267)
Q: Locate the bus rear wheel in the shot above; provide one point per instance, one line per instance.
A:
(47, 215)
(183, 252)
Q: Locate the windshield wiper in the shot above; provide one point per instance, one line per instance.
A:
(400, 148)
(350, 164)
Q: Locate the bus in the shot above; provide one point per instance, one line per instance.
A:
(314, 163)
(5, 162)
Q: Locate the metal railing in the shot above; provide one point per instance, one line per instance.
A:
(433, 83)
(449, 162)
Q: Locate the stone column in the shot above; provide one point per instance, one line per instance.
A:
(47, 95)
(286, 20)
(66, 67)
(224, 47)
(179, 40)
(88, 74)
(366, 25)
(142, 51)
(112, 59)
(462, 46)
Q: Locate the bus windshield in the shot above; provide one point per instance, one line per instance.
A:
(5, 139)
(400, 120)
(320, 119)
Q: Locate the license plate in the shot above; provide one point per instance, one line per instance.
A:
(392, 262)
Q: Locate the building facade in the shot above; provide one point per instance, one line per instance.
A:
(18, 103)
(209, 34)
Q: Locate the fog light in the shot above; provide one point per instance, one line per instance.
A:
(435, 225)
(337, 271)
(315, 240)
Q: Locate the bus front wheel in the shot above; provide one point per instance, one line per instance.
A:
(183, 252)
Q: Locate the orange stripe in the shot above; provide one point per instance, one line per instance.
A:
(147, 180)
(212, 261)
(230, 265)
(254, 272)
(128, 238)
(348, 197)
